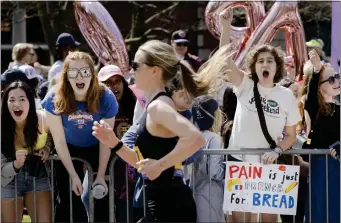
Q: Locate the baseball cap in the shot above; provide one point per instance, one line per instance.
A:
(180, 36)
(12, 75)
(108, 71)
(29, 71)
(315, 43)
(66, 39)
(203, 112)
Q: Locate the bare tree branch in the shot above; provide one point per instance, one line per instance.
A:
(157, 15)
(146, 35)
(144, 5)
(156, 29)
(137, 39)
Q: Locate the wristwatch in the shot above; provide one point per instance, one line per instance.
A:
(278, 151)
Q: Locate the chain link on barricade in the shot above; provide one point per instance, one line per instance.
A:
(224, 152)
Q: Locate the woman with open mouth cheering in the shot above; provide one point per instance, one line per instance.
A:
(71, 108)
(258, 94)
(25, 146)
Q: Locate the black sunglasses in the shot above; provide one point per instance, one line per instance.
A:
(182, 44)
(331, 79)
(135, 65)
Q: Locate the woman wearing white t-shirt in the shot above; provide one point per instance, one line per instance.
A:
(265, 68)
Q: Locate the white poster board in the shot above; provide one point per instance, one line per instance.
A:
(259, 188)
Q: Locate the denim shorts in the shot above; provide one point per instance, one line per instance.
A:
(25, 183)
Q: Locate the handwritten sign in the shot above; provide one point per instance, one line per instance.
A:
(258, 188)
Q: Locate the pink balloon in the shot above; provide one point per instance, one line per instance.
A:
(139, 95)
(239, 35)
(282, 15)
(101, 33)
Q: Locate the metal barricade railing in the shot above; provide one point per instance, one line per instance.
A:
(90, 181)
(260, 152)
(207, 152)
(112, 190)
(53, 158)
(223, 152)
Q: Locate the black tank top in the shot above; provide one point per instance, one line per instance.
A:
(154, 147)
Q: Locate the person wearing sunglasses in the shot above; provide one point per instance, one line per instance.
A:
(164, 138)
(71, 108)
(322, 113)
(180, 44)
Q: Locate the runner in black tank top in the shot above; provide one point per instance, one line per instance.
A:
(155, 65)
(168, 198)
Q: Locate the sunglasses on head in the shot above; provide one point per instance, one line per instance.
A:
(182, 44)
(74, 72)
(331, 79)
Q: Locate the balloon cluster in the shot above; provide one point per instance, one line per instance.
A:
(261, 28)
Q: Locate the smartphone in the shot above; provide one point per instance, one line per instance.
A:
(336, 146)
(288, 60)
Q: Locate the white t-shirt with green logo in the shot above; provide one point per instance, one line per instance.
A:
(280, 110)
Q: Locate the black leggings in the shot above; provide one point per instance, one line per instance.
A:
(90, 154)
(171, 202)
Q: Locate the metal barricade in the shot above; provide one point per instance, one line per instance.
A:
(53, 158)
(223, 152)
(90, 181)
(260, 152)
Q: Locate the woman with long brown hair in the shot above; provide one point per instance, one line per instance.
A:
(71, 108)
(25, 146)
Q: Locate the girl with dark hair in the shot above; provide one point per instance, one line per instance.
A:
(24, 137)
(165, 138)
(71, 107)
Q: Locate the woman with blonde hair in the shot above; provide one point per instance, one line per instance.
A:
(71, 108)
(22, 53)
(164, 138)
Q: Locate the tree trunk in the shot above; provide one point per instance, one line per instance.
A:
(47, 27)
(137, 30)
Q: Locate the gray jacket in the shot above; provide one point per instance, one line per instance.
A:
(7, 171)
(209, 197)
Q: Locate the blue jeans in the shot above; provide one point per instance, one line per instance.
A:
(85, 195)
(25, 182)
